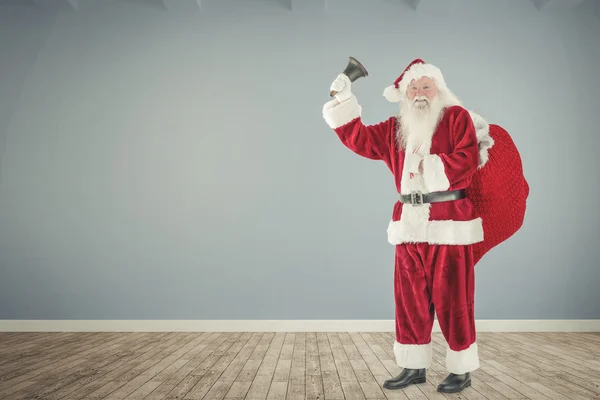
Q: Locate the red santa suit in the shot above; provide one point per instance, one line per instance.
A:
(436, 242)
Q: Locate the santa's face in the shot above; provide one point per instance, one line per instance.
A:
(420, 111)
(422, 92)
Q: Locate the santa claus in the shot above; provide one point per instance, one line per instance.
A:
(436, 150)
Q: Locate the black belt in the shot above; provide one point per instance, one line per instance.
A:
(418, 198)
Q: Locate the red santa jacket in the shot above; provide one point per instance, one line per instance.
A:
(451, 161)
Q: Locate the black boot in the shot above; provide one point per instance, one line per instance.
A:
(455, 383)
(406, 377)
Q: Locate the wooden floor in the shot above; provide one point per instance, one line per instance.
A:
(322, 366)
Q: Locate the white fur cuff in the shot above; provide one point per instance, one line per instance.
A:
(461, 362)
(434, 174)
(337, 114)
(413, 355)
(411, 163)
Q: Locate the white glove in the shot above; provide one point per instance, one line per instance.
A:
(342, 86)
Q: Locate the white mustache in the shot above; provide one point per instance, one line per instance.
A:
(420, 98)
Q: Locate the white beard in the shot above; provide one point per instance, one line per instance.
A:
(419, 120)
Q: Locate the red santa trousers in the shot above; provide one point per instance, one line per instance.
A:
(435, 280)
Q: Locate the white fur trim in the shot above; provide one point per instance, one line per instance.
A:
(434, 174)
(461, 362)
(414, 218)
(392, 94)
(412, 226)
(485, 141)
(417, 71)
(412, 162)
(411, 229)
(337, 114)
(413, 355)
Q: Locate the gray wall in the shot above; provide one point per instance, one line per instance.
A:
(175, 165)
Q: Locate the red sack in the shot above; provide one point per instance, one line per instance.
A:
(499, 192)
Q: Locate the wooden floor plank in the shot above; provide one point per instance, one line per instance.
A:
(65, 381)
(314, 381)
(297, 381)
(49, 368)
(284, 365)
(181, 383)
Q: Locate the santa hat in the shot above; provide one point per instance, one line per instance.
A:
(415, 70)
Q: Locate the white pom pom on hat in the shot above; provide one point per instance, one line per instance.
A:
(415, 70)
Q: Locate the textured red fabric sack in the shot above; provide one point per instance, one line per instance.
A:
(499, 192)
